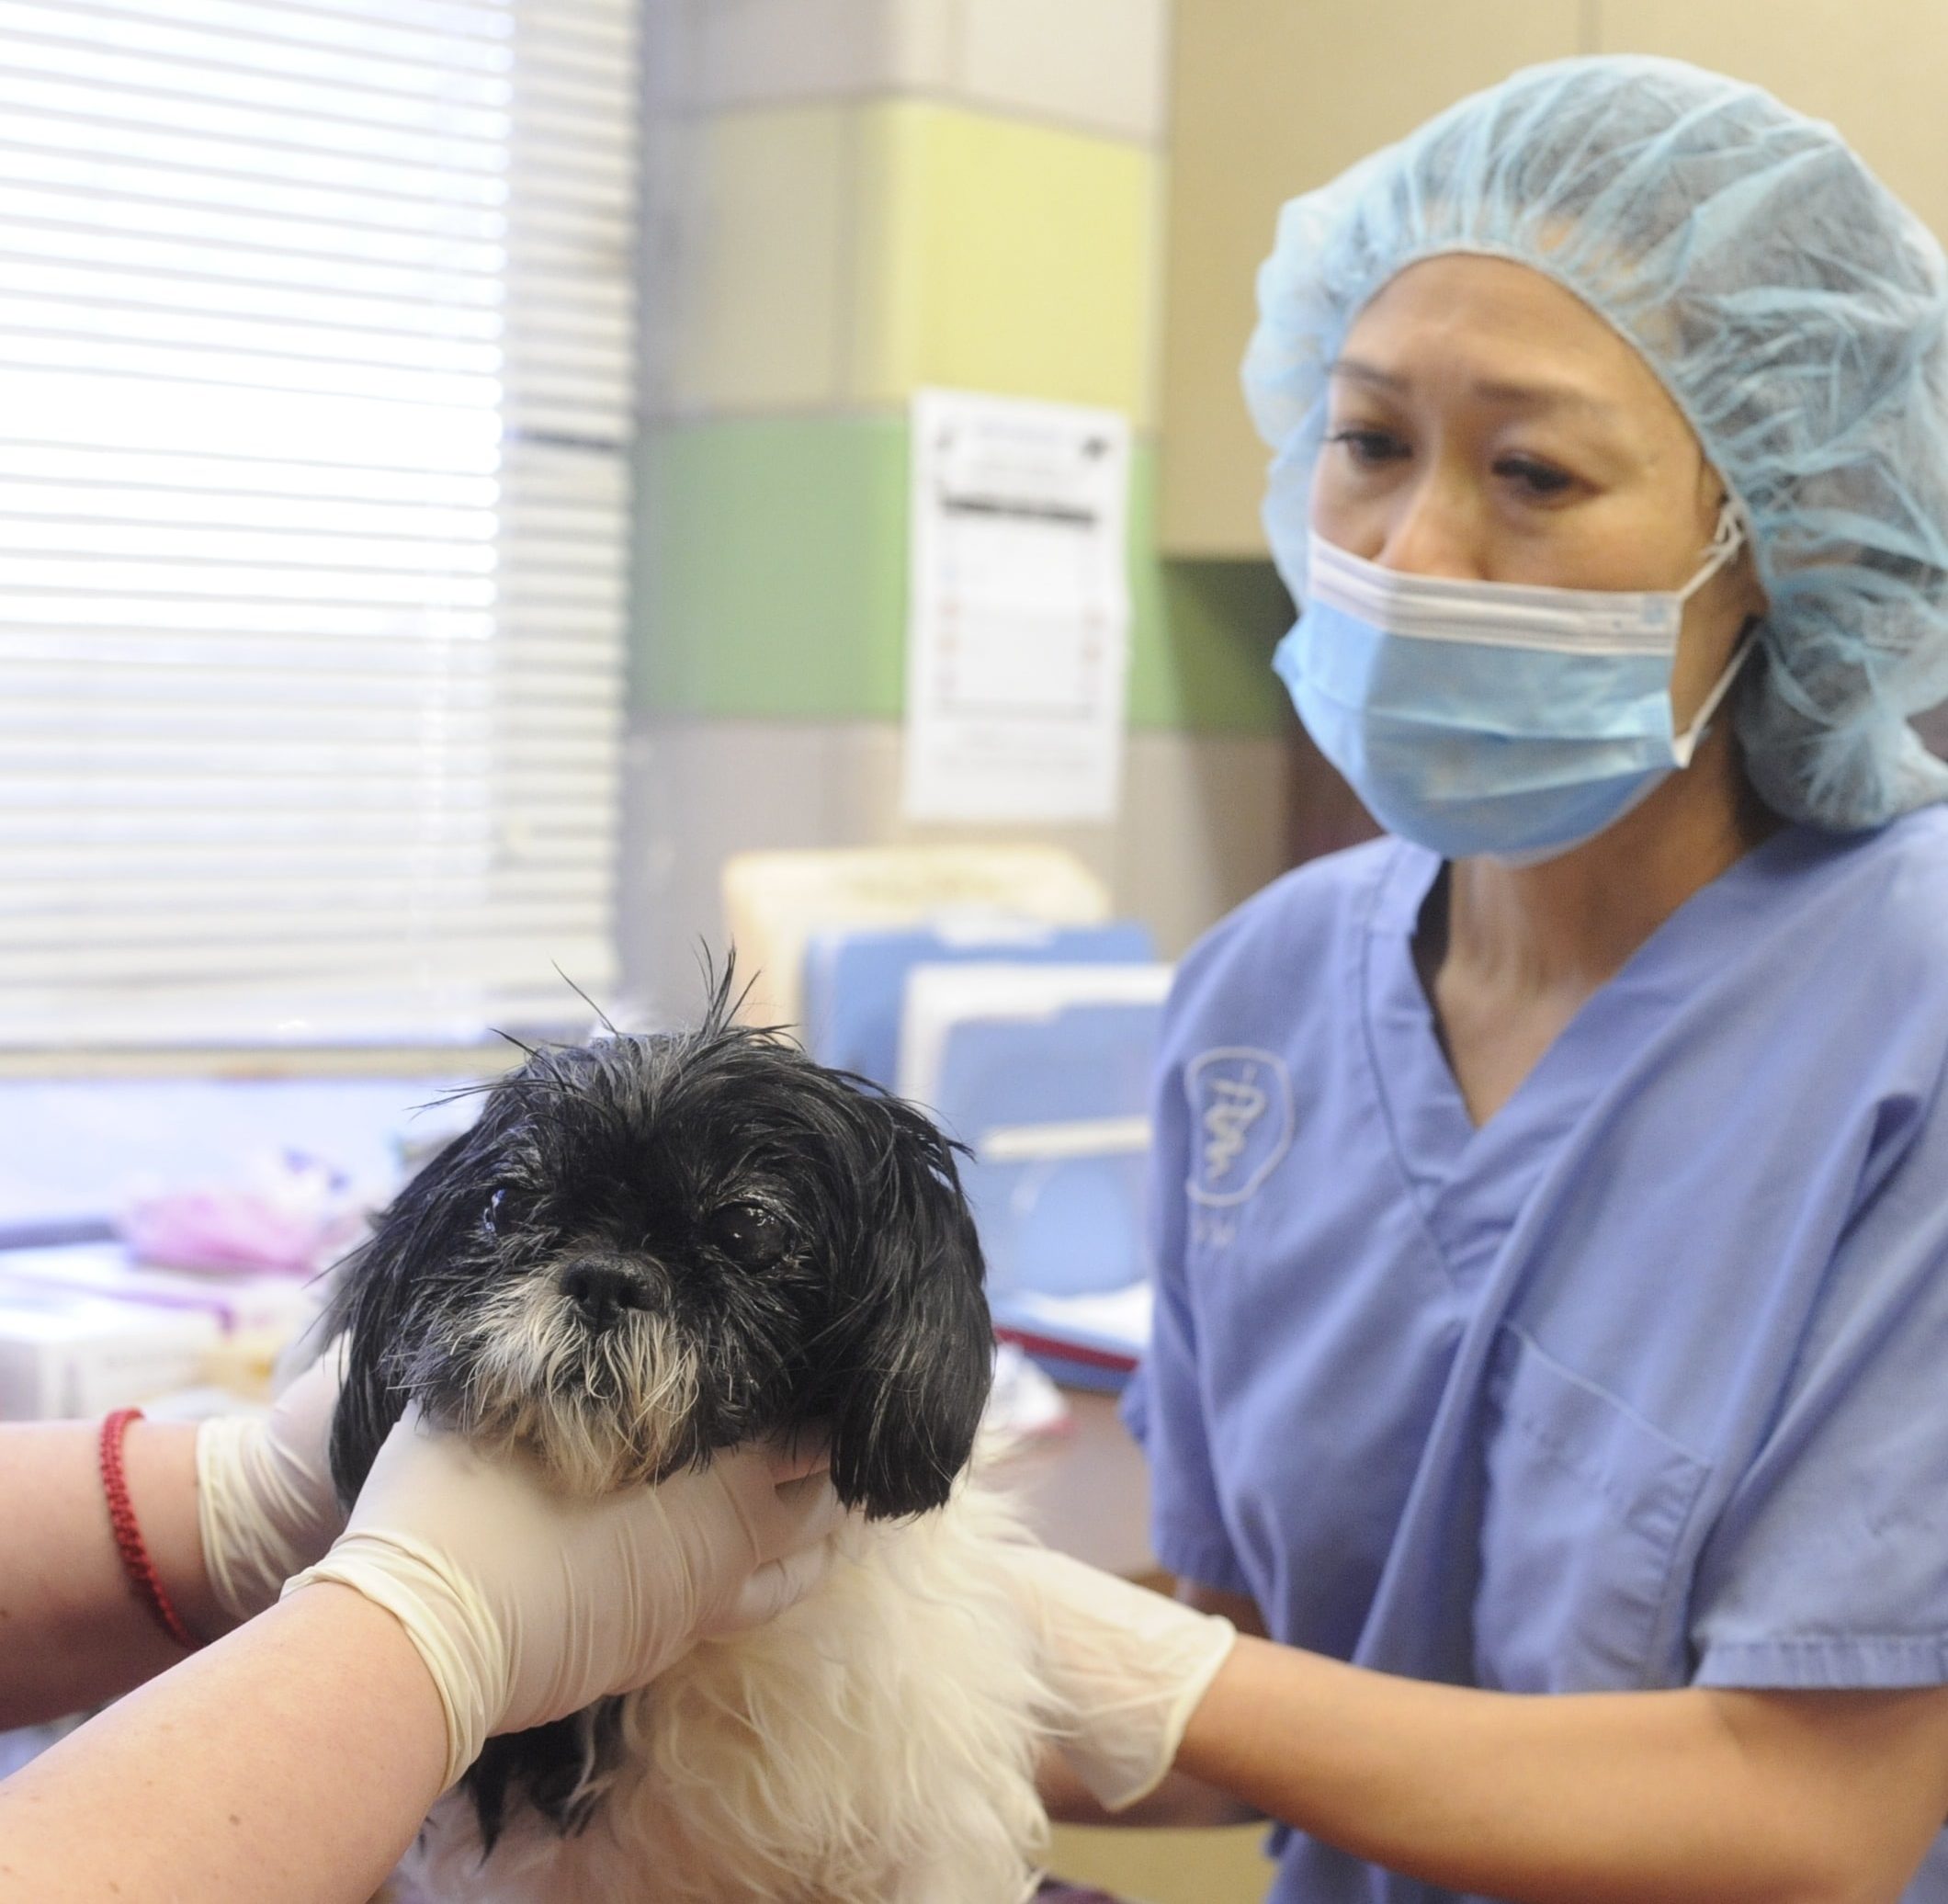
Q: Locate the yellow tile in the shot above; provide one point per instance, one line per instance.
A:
(996, 254)
(755, 283)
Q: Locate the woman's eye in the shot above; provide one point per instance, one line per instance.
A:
(1537, 479)
(750, 1236)
(1368, 448)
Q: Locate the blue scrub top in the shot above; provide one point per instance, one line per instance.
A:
(1644, 1382)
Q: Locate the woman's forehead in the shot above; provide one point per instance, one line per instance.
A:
(1502, 334)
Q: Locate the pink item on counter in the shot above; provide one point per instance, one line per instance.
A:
(295, 1214)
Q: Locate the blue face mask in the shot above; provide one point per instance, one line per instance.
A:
(1482, 718)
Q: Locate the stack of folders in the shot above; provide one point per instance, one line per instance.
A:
(855, 977)
(1043, 1071)
(775, 903)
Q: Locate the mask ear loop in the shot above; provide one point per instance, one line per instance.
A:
(1726, 539)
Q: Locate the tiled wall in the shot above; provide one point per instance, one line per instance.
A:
(850, 199)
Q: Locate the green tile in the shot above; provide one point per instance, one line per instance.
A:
(771, 574)
(772, 584)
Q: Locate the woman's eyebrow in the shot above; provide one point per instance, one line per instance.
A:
(1364, 373)
(1542, 395)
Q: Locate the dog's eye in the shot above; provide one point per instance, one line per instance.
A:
(748, 1235)
(490, 1216)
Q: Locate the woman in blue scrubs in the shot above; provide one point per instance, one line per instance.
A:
(1551, 1199)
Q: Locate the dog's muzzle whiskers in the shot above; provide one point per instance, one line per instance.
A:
(599, 1409)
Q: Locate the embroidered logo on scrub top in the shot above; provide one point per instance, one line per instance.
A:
(1241, 1122)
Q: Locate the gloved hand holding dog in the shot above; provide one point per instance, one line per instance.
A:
(525, 1605)
(1127, 1667)
(266, 1502)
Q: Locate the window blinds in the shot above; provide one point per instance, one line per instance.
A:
(316, 362)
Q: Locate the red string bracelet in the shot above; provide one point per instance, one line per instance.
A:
(128, 1544)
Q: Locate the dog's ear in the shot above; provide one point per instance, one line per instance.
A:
(375, 1290)
(916, 1348)
(418, 1241)
(371, 1297)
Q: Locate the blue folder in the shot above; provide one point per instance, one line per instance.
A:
(855, 977)
(1055, 1110)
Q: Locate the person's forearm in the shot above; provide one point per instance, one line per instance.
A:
(1629, 1796)
(76, 1633)
(293, 1759)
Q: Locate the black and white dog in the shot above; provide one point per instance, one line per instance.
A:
(646, 1250)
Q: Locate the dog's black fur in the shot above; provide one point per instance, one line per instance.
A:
(802, 1234)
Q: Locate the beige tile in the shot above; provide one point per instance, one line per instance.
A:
(717, 53)
(754, 280)
(1094, 64)
(921, 39)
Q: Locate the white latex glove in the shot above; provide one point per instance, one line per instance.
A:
(527, 1604)
(1126, 1666)
(265, 1501)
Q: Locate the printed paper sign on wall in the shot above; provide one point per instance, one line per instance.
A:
(1018, 623)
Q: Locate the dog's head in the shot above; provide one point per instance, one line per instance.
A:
(647, 1249)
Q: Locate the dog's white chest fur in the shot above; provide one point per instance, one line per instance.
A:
(876, 1744)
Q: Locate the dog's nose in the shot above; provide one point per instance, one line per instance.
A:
(602, 1289)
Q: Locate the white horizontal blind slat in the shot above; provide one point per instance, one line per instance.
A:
(338, 1008)
(181, 890)
(316, 366)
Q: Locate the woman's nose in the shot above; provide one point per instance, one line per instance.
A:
(1430, 532)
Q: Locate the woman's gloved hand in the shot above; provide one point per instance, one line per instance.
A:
(265, 1504)
(1127, 1667)
(525, 1605)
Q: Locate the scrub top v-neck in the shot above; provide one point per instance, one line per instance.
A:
(1607, 1392)
(1468, 1179)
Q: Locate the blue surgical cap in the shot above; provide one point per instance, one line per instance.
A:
(1795, 310)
